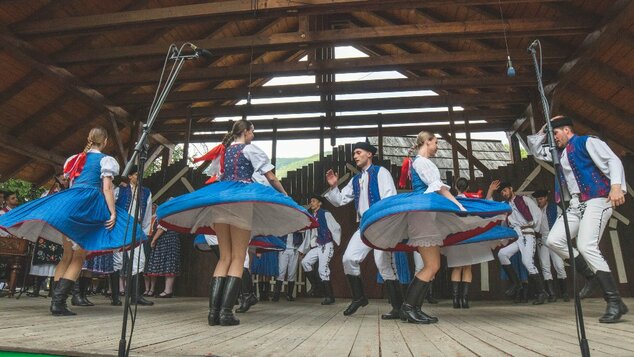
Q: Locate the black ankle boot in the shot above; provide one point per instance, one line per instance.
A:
(314, 280)
(248, 298)
(290, 288)
(330, 297)
(60, 294)
(277, 289)
(410, 310)
(539, 287)
(563, 289)
(358, 296)
(229, 295)
(550, 290)
(515, 280)
(136, 294)
(455, 288)
(464, 300)
(615, 308)
(215, 298)
(79, 293)
(395, 295)
(591, 280)
(114, 289)
(51, 286)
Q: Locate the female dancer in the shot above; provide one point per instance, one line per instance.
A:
(427, 219)
(235, 209)
(82, 218)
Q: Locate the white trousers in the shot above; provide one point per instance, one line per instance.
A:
(545, 256)
(587, 221)
(288, 260)
(357, 251)
(526, 246)
(418, 262)
(321, 254)
(138, 265)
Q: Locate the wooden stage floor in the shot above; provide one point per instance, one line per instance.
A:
(178, 326)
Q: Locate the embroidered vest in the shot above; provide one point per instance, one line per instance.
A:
(237, 166)
(591, 181)
(373, 186)
(324, 235)
(551, 214)
(124, 200)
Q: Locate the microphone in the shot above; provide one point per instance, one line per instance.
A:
(533, 45)
(510, 71)
(201, 52)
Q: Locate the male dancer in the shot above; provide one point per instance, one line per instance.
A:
(593, 180)
(324, 239)
(525, 219)
(550, 211)
(369, 186)
(287, 262)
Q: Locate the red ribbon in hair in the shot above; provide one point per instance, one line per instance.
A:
(74, 166)
(216, 154)
(404, 178)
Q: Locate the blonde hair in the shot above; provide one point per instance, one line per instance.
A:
(97, 136)
(423, 137)
(236, 130)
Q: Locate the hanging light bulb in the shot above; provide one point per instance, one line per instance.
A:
(510, 71)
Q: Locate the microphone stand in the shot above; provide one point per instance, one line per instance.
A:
(139, 156)
(581, 331)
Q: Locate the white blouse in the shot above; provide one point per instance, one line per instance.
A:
(260, 161)
(429, 173)
(109, 166)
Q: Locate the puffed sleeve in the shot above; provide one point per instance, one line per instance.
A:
(109, 167)
(258, 158)
(429, 173)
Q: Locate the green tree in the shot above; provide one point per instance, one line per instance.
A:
(23, 189)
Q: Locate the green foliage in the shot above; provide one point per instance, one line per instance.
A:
(286, 164)
(24, 190)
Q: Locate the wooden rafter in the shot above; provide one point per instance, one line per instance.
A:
(462, 150)
(30, 150)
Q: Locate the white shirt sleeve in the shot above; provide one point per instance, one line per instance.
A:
(386, 183)
(535, 145)
(333, 227)
(109, 167)
(429, 173)
(607, 161)
(341, 197)
(147, 219)
(258, 158)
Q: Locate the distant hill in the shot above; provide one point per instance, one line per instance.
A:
(286, 164)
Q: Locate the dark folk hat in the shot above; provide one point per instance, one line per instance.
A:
(364, 145)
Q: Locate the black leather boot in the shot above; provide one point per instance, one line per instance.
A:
(290, 288)
(36, 287)
(550, 290)
(79, 293)
(60, 294)
(429, 297)
(215, 298)
(464, 300)
(314, 280)
(136, 295)
(229, 295)
(358, 296)
(51, 286)
(515, 280)
(410, 310)
(395, 295)
(540, 298)
(455, 288)
(591, 280)
(615, 308)
(248, 297)
(330, 297)
(114, 289)
(563, 289)
(276, 290)
(524, 293)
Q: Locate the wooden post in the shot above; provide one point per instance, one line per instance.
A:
(469, 150)
(321, 138)
(454, 150)
(380, 132)
(274, 143)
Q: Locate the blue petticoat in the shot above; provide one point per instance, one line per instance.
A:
(250, 206)
(78, 213)
(427, 219)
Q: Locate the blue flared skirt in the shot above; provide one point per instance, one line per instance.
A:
(416, 219)
(78, 213)
(401, 262)
(266, 264)
(250, 206)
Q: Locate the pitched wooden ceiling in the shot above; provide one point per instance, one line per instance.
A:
(71, 64)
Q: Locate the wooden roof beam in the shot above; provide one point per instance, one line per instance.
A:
(368, 86)
(379, 104)
(349, 120)
(381, 34)
(33, 151)
(462, 150)
(221, 12)
(495, 58)
(340, 132)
